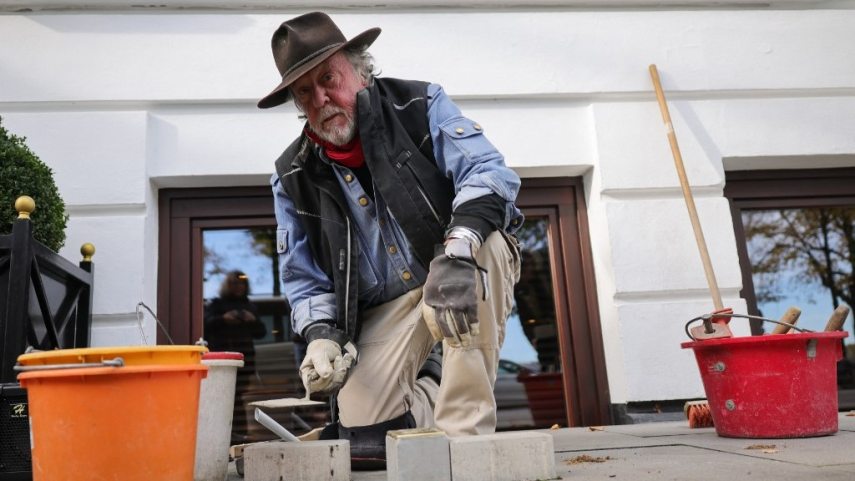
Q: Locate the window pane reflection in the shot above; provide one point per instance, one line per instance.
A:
(246, 312)
(529, 390)
(804, 258)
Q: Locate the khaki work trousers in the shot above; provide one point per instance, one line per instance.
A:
(394, 343)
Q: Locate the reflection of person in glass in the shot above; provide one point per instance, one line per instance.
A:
(231, 324)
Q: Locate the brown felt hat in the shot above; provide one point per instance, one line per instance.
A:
(301, 44)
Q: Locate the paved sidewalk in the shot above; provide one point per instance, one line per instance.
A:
(672, 451)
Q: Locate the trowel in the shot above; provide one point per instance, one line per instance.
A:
(288, 402)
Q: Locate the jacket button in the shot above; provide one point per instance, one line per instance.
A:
(476, 126)
(459, 130)
(406, 275)
(363, 201)
(393, 249)
(348, 178)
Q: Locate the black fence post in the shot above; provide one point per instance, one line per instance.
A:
(16, 320)
(82, 327)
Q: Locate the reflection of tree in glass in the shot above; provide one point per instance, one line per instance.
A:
(213, 262)
(533, 235)
(813, 246)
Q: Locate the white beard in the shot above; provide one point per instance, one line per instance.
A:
(335, 135)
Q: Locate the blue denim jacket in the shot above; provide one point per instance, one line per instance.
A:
(387, 267)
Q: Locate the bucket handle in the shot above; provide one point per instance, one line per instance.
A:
(115, 362)
(708, 317)
(140, 316)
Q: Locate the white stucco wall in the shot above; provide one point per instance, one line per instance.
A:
(121, 103)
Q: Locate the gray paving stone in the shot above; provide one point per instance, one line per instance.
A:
(576, 439)
(847, 421)
(684, 463)
(663, 452)
(838, 449)
(298, 461)
(671, 428)
(417, 455)
(512, 456)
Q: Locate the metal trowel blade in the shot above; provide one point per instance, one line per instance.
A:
(288, 402)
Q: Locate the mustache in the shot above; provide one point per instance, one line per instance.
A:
(328, 111)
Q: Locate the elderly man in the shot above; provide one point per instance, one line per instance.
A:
(394, 218)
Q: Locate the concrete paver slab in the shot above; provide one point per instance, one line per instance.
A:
(511, 456)
(417, 455)
(838, 449)
(674, 428)
(847, 421)
(685, 463)
(671, 451)
(583, 438)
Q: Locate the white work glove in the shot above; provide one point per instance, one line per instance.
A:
(450, 307)
(327, 363)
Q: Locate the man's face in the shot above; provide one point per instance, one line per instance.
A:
(327, 95)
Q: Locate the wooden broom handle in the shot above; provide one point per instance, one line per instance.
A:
(687, 193)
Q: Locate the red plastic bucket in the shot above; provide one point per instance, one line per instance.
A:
(775, 386)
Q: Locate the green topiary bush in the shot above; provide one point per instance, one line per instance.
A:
(22, 173)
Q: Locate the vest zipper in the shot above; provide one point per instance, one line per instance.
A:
(430, 206)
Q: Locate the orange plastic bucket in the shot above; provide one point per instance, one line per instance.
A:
(131, 423)
(132, 355)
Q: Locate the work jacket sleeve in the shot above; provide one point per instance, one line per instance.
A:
(307, 288)
(465, 155)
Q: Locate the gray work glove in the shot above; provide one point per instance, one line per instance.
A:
(329, 357)
(450, 307)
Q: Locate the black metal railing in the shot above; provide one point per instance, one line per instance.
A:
(45, 300)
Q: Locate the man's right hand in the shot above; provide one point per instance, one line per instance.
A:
(329, 358)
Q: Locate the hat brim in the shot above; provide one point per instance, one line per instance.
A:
(282, 94)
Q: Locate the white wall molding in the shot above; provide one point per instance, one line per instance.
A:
(242, 5)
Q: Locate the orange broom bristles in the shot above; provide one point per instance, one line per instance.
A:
(698, 413)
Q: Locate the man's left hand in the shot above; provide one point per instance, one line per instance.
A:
(450, 306)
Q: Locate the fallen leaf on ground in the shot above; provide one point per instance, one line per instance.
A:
(587, 459)
(769, 451)
(761, 446)
(555, 426)
(596, 428)
(851, 413)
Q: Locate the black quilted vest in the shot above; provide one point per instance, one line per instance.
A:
(393, 126)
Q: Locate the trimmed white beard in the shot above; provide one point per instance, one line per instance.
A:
(335, 135)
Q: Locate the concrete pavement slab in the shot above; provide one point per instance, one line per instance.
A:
(584, 438)
(509, 456)
(684, 463)
(417, 455)
(838, 449)
(666, 451)
(847, 421)
(650, 430)
(298, 461)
